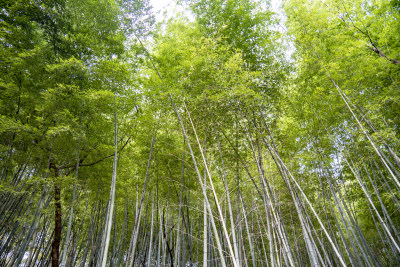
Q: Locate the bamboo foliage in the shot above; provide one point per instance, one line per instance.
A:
(228, 152)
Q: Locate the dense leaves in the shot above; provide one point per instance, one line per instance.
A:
(217, 139)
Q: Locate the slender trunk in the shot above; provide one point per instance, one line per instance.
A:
(110, 210)
(253, 259)
(151, 237)
(135, 231)
(233, 232)
(178, 235)
(55, 247)
(221, 217)
(205, 227)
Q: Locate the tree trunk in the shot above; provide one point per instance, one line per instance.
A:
(55, 246)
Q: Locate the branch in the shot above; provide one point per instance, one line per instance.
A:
(109, 156)
(371, 44)
(376, 50)
(73, 167)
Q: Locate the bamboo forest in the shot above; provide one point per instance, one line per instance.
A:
(226, 133)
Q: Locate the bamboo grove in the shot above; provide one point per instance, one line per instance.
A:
(229, 135)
